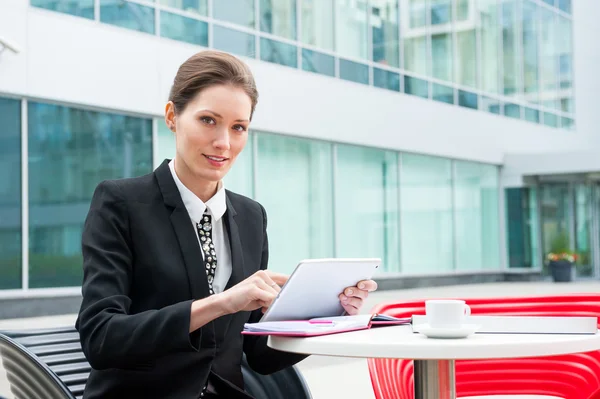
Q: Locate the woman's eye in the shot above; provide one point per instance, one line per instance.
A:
(208, 120)
(240, 128)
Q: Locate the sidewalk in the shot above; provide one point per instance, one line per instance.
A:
(329, 377)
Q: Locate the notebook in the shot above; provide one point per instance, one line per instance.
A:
(321, 325)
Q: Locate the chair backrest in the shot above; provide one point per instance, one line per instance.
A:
(573, 376)
(50, 364)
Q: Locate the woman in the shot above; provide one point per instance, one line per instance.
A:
(174, 264)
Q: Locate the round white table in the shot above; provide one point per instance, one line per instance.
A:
(434, 358)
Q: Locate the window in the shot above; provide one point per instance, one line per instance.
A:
(278, 18)
(317, 23)
(467, 99)
(512, 110)
(239, 12)
(550, 119)
(70, 152)
(294, 180)
(351, 29)
(489, 30)
(384, 27)
(441, 53)
(79, 8)
(549, 58)
(184, 29)
(530, 51)
(522, 227)
(441, 12)
(194, 6)
(353, 71)
(462, 10)
(511, 48)
(467, 59)
(442, 93)
(10, 193)
(239, 179)
(366, 202)
(426, 214)
(477, 216)
(386, 79)
(127, 15)
(234, 41)
(418, 13)
(416, 86)
(314, 61)
(415, 55)
(532, 115)
(278, 52)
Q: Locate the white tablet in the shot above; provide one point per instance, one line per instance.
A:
(314, 287)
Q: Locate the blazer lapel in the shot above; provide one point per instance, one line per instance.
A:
(184, 230)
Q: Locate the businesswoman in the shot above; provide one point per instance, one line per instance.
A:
(174, 264)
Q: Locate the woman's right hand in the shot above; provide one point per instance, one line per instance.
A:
(257, 291)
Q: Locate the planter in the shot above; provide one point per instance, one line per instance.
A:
(561, 270)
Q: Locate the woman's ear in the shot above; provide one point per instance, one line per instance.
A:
(170, 115)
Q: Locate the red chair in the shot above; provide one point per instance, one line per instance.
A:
(573, 376)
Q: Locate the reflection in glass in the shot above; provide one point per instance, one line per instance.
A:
(566, 123)
(462, 10)
(127, 15)
(441, 11)
(386, 79)
(278, 52)
(10, 193)
(467, 99)
(426, 214)
(565, 5)
(522, 227)
(177, 27)
(511, 48)
(351, 29)
(530, 51)
(418, 13)
(234, 41)
(583, 228)
(367, 176)
(239, 12)
(550, 119)
(384, 25)
(415, 55)
(491, 105)
(477, 216)
(489, 28)
(313, 61)
(416, 86)
(353, 71)
(442, 93)
(317, 26)
(239, 178)
(466, 68)
(532, 115)
(278, 18)
(549, 59)
(565, 61)
(441, 53)
(194, 6)
(79, 8)
(70, 152)
(512, 110)
(300, 215)
(555, 214)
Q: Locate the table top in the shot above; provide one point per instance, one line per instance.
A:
(400, 342)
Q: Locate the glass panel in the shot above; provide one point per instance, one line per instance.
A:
(549, 2)
(522, 223)
(386, 79)
(511, 48)
(491, 105)
(233, 41)
(314, 61)
(565, 5)
(416, 86)
(278, 18)
(127, 15)
(565, 60)
(10, 194)
(239, 179)
(426, 218)
(442, 93)
(70, 152)
(79, 8)
(366, 203)
(300, 217)
(548, 59)
(239, 12)
(354, 71)
(467, 99)
(477, 216)
(466, 68)
(530, 51)
(278, 52)
(512, 110)
(441, 12)
(351, 29)
(195, 6)
(415, 55)
(418, 13)
(550, 119)
(489, 28)
(165, 143)
(384, 25)
(462, 10)
(189, 30)
(555, 214)
(441, 53)
(583, 226)
(567, 123)
(317, 23)
(532, 115)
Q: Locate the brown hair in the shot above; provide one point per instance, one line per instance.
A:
(209, 68)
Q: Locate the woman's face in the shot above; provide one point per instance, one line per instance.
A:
(211, 131)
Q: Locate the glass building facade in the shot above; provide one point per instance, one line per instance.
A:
(508, 57)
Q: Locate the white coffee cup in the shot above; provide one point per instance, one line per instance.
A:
(446, 313)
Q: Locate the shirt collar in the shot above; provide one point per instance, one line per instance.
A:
(195, 206)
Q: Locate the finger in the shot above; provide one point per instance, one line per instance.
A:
(353, 291)
(278, 278)
(264, 298)
(351, 301)
(367, 285)
(351, 310)
(272, 288)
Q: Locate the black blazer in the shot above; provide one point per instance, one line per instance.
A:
(142, 270)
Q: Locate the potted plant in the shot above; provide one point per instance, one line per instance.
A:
(561, 259)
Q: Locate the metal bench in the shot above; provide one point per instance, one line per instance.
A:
(49, 364)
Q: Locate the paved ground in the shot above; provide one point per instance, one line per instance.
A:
(330, 377)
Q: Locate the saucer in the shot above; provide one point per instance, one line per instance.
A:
(461, 332)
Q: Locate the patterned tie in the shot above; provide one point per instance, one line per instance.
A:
(208, 249)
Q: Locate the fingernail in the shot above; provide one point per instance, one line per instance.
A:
(350, 292)
(344, 298)
(345, 301)
(361, 285)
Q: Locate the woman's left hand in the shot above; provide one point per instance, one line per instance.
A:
(353, 298)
